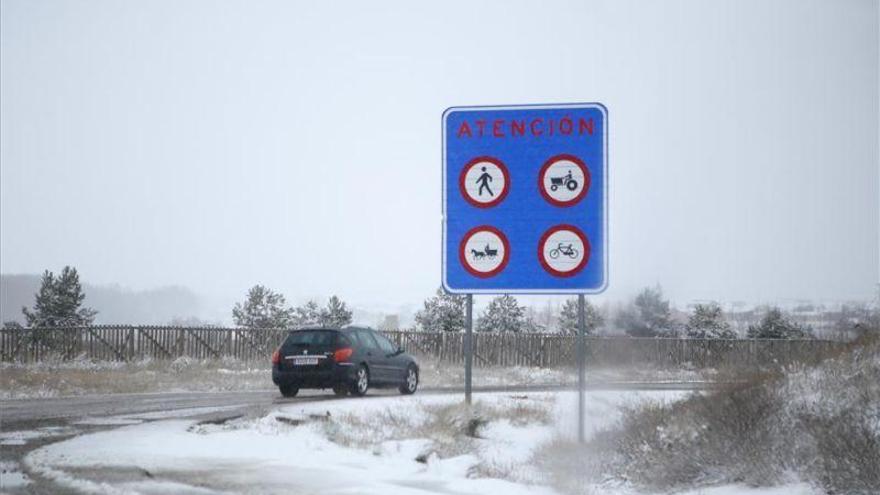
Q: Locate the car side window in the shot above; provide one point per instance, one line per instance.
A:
(384, 344)
(366, 340)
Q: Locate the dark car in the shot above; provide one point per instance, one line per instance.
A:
(347, 360)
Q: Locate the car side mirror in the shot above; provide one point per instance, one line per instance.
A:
(400, 350)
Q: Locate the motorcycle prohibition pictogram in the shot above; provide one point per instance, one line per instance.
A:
(569, 251)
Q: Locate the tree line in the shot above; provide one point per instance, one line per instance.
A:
(648, 314)
(59, 303)
(265, 308)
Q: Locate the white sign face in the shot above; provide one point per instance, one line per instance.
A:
(484, 251)
(484, 182)
(564, 250)
(564, 180)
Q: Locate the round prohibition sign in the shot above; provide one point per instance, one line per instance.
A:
(564, 180)
(563, 250)
(484, 181)
(484, 251)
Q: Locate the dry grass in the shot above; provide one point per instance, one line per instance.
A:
(815, 424)
(439, 374)
(66, 378)
(81, 377)
(454, 429)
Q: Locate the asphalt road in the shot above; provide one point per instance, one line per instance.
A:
(31, 413)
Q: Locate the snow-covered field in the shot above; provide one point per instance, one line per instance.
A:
(379, 445)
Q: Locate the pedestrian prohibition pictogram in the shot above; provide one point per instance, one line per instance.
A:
(484, 182)
(525, 199)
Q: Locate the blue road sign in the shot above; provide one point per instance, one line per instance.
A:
(525, 199)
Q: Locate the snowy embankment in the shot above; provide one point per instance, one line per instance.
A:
(401, 445)
(83, 377)
(815, 425)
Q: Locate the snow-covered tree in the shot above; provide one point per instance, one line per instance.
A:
(568, 317)
(58, 303)
(309, 314)
(335, 314)
(707, 322)
(442, 313)
(504, 314)
(263, 308)
(647, 316)
(774, 325)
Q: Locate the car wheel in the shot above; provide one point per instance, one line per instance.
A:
(288, 390)
(361, 382)
(412, 381)
(340, 390)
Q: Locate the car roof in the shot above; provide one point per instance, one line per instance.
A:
(345, 329)
(350, 328)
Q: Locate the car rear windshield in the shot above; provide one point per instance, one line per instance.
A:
(311, 338)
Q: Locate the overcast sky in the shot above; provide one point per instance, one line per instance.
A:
(218, 144)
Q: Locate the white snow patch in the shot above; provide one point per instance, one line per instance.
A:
(11, 476)
(280, 457)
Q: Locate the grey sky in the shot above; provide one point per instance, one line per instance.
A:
(297, 144)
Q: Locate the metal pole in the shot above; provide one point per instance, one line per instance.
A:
(468, 347)
(581, 358)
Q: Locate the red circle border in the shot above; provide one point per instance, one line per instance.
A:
(462, 258)
(494, 161)
(577, 161)
(587, 250)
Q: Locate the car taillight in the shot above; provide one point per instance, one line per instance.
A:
(342, 355)
(276, 356)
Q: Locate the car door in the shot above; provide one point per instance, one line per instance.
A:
(376, 359)
(395, 364)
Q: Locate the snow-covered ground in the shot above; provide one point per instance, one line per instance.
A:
(380, 445)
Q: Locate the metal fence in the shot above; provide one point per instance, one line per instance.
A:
(127, 343)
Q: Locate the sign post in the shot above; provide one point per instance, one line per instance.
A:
(581, 362)
(525, 207)
(468, 347)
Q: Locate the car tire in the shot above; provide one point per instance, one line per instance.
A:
(340, 390)
(412, 381)
(361, 382)
(288, 390)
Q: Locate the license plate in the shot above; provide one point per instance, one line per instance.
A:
(305, 361)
